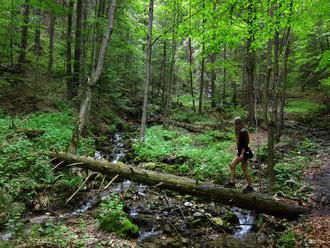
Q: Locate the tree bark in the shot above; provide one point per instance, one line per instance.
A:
(77, 50)
(148, 71)
(201, 84)
(24, 32)
(191, 74)
(168, 95)
(71, 89)
(37, 34)
(224, 74)
(213, 77)
(51, 42)
(250, 66)
(260, 202)
(92, 80)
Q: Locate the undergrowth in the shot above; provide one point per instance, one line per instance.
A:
(112, 218)
(205, 155)
(25, 161)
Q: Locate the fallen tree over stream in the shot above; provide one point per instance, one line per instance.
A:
(255, 201)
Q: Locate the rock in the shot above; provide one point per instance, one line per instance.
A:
(231, 218)
(188, 197)
(290, 183)
(188, 204)
(198, 215)
(305, 189)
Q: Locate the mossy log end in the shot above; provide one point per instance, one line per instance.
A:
(255, 201)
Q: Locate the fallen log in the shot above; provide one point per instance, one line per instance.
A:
(255, 201)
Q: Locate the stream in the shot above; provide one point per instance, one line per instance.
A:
(157, 213)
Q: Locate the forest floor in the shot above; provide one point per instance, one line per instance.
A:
(167, 219)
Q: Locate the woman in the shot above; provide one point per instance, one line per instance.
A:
(243, 154)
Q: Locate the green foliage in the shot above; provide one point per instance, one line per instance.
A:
(287, 240)
(303, 107)
(28, 159)
(207, 154)
(290, 170)
(51, 233)
(112, 218)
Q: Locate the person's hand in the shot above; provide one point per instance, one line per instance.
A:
(241, 158)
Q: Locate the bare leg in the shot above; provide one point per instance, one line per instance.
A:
(233, 169)
(246, 172)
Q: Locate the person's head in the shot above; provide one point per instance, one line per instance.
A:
(238, 122)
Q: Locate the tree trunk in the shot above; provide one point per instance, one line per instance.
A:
(201, 84)
(284, 79)
(168, 96)
(148, 71)
(37, 34)
(77, 50)
(24, 32)
(250, 66)
(164, 74)
(51, 42)
(260, 202)
(71, 89)
(92, 80)
(224, 74)
(191, 74)
(213, 77)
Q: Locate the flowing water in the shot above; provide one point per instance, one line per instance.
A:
(246, 222)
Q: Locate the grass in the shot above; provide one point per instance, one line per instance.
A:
(112, 218)
(24, 162)
(290, 170)
(303, 107)
(205, 155)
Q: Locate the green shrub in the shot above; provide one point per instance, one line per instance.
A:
(303, 107)
(112, 218)
(287, 240)
(206, 154)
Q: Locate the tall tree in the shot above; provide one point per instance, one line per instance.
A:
(93, 79)
(77, 49)
(24, 32)
(250, 62)
(148, 71)
(52, 20)
(37, 35)
(72, 90)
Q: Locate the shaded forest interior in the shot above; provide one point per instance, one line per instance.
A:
(155, 85)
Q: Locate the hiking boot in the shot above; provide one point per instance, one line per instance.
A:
(229, 185)
(248, 189)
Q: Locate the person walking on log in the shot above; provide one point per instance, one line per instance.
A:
(244, 153)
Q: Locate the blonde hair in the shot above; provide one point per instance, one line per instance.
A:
(239, 124)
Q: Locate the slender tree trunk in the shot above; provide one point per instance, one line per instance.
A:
(168, 100)
(12, 23)
(51, 42)
(213, 77)
(224, 74)
(191, 74)
(71, 89)
(37, 42)
(250, 66)
(148, 71)
(201, 84)
(77, 50)
(164, 74)
(92, 80)
(24, 32)
(283, 86)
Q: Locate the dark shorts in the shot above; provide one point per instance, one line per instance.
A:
(247, 154)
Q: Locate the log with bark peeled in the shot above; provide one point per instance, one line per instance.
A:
(255, 201)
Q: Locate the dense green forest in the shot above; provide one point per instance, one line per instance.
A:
(123, 123)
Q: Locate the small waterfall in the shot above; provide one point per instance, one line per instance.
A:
(246, 221)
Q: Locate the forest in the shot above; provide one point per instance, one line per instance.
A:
(164, 123)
